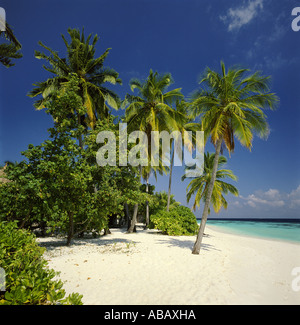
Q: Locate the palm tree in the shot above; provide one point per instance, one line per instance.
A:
(11, 50)
(230, 104)
(183, 122)
(80, 60)
(199, 185)
(150, 111)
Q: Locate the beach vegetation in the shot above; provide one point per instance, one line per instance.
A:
(160, 200)
(178, 221)
(28, 279)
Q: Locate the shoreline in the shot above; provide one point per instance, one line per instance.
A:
(148, 268)
(237, 233)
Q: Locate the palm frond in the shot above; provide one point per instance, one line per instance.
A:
(199, 185)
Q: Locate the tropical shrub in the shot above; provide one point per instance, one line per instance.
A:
(178, 221)
(159, 201)
(28, 280)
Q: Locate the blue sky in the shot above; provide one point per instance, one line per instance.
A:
(181, 37)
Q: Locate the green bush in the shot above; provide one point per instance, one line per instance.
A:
(28, 280)
(178, 221)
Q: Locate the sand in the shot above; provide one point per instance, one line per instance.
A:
(148, 268)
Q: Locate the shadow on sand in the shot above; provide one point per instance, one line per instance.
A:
(179, 242)
(51, 243)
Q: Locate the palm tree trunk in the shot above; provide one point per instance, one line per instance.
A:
(170, 180)
(127, 215)
(147, 203)
(197, 245)
(132, 227)
(80, 141)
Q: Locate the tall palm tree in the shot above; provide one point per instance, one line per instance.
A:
(199, 185)
(150, 110)
(230, 104)
(80, 59)
(183, 123)
(11, 50)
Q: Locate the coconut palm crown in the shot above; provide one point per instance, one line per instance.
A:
(92, 74)
(199, 185)
(230, 104)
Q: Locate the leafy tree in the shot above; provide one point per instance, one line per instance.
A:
(61, 182)
(55, 185)
(230, 104)
(199, 185)
(21, 197)
(125, 180)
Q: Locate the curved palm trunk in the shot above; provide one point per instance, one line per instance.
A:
(197, 245)
(170, 180)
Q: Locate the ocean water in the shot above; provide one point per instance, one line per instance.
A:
(280, 229)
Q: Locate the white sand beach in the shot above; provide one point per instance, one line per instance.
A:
(149, 268)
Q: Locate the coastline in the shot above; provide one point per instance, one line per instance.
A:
(228, 231)
(153, 269)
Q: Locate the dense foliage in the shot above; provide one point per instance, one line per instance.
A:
(27, 278)
(179, 221)
(59, 185)
(159, 201)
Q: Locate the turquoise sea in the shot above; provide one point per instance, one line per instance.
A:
(280, 229)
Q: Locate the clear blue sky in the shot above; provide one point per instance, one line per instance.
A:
(181, 37)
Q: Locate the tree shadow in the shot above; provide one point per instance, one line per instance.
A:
(52, 243)
(184, 244)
